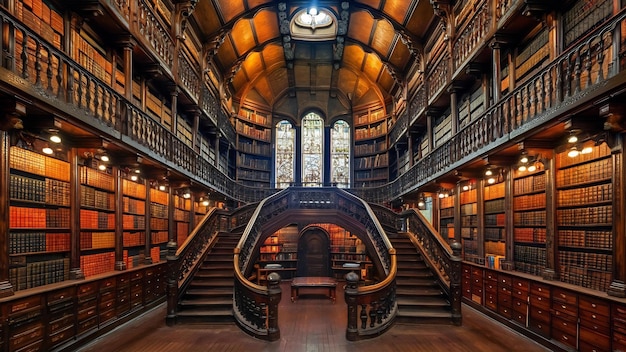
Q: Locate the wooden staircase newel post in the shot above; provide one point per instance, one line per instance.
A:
(172, 283)
(273, 286)
(456, 290)
(350, 294)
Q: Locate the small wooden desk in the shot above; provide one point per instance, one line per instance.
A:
(313, 282)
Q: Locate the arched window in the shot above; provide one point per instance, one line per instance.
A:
(285, 154)
(312, 150)
(340, 154)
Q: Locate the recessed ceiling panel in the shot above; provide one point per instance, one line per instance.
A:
(264, 89)
(226, 56)
(229, 8)
(243, 37)
(400, 56)
(273, 55)
(360, 28)
(353, 56)
(253, 65)
(373, 67)
(266, 26)
(383, 37)
(278, 80)
(398, 10)
(303, 75)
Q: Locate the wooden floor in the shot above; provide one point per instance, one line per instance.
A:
(312, 324)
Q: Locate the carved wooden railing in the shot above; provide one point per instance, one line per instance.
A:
(45, 72)
(189, 77)
(445, 260)
(367, 300)
(581, 73)
(472, 35)
(154, 33)
(183, 261)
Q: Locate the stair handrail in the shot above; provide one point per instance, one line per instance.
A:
(183, 261)
(443, 258)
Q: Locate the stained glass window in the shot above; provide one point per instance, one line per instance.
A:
(285, 153)
(312, 150)
(340, 154)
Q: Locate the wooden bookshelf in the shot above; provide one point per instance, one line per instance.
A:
(159, 226)
(345, 247)
(134, 222)
(280, 248)
(97, 220)
(39, 219)
(182, 217)
(371, 160)
(446, 216)
(469, 223)
(254, 152)
(584, 228)
(494, 223)
(529, 221)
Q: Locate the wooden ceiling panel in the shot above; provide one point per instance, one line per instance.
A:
(353, 56)
(206, 17)
(229, 8)
(398, 10)
(323, 75)
(264, 89)
(347, 81)
(360, 27)
(383, 37)
(385, 81)
(302, 74)
(419, 22)
(240, 82)
(363, 86)
(371, 3)
(278, 80)
(266, 26)
(243, 36)
(226, 56)
(253, 65)
(373, 67)
(400, 56)
(273, 55)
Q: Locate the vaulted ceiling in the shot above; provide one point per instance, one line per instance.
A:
(376, 45)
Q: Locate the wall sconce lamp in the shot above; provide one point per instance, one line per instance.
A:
(55, 137)
(443, 193)
(185, 193)
(421, 203)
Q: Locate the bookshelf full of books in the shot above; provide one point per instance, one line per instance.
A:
(39, 219)
(182, 217)
(371, 160)
(529, 220)
(446, 216)
(97, 220)
(159, 225)
(494, 222)
(279, 253)
(469, 222)
(134, 222)
(584, 228)
(254, 136)
(345, 247)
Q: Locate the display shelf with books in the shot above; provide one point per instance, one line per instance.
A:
(584, 217)
(134, 220)
(446, 216)
(254, 136)
(159, 226)
(97, 220)
(494, 221)
(182, 213)
(345, 247)
(371, 161)
(279, 253)
(469, 222)
(39, 219)
(529, 220)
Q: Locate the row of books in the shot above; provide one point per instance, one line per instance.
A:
(39, 273)
(495, 206)
(495, 234)
(136, 222)
(370, 148)
(254, 148)
(595, 261)
(370, 132)
(468, 196)
(97, 240)
(469, 232)
(530, 235)
(158, 237)
(95, 178)
(495, 191)
(157, 254)
(254, 175)
(602, 215)
(365, 175)
(530, 201)
(159, 224)
(600, 151)
(447, 202)
(38, 164)
(94, 219)
(38, 218)
(371, 161)
(253, 162)
(469, 221)
(158, 210)
(133, 189)
(469, 209)
(580, 276)
(133, 239)
(497, 248)
(33, 242)
(94, 264)
(254, 117)
(254, 132)
(181, 215)
(26, 188)
(446, 213)
(529, 268)
(594, 171)
(494, 261)
(530, 184)
(532, 255)
(158, 197)
(530, 218)
(495, 219)
(586, 238)
(585, 195)
(91, 197)
(182, 203)
(134, 206)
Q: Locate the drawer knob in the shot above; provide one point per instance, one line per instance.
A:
(594, 316)
(563, 306)
(593, 305)
(565, 338)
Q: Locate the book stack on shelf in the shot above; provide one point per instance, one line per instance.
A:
(134, 221)
(585, 217)
(39, 219)
(159, 225)
(182, 213)
(254, 135)
(446, 217)
(469, 223)
(371, 160)
(97, 221)
(279, 253)
(495, 224)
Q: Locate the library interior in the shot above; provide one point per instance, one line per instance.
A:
(203, 166)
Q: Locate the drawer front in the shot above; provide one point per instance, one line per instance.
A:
(60, 322)
(564, 309)
(586, 347)
(491, 301)
(467, 288)
(564, 296)
(32, 347)
(539, 314)
(540, 302)
(108, 283)
(505, 311)
(619, 341)
(564, 337)
(504, 280)
(491, 287)
(104, 306)
(593, 338)
(594, 321)
(87, 313)
(564, 325)
(505, 301)
(26, 335)
(87, 325)
(539, 290)
(540, 328)
(61, 296)
(106, 316)
(123, 280)
(519, 284)
(491, 276)
(87, 289)
(61, 336)
(596, 306)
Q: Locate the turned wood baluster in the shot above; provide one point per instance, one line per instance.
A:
(59, 77)
(49, 73)
(600, 58)
(96, 104)
(38, 67)
(577, 71)
(87, 93)
(588, 64)
(79, 89)
(24, 55)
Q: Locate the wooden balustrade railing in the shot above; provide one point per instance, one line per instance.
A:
(376, 301)
(154, 33)
(183, 261)
(472, 35)
(445, 260)
(189, 76)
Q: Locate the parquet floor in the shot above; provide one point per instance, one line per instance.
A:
(312, 324)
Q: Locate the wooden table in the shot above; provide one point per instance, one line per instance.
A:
(313, 282)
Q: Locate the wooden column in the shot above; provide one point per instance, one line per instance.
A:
(454, 108)
(618, 283)
(174, 98)
(6, 289)
(171, 224)
(496, 46)
(75, 270)
(552, 259)
(148, 226)
(192, 213)
(119, 217)
(509, 242)
(127, 45)
(195, 114)
(480, 221)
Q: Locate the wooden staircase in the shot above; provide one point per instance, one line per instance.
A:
(209, 296)
(420, 297)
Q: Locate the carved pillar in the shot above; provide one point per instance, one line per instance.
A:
(618, 283)
(75, 270)
(410, 148)
(174, 99)
(430, 115)
(6, 289)
(127, 45)
(119, 217)
(509, 248)
(350, 296)
(195, 114)
(456, 289)
(273, 286)
(480, 202)
(192, 213)
(454, 107)
(552, 259)
(218, 136)
(171, 224)
(497, 44)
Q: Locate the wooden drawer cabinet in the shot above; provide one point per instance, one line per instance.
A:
(565, 337)
(519, 289)
(593, 340)
(539, 320)
(477, 285)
